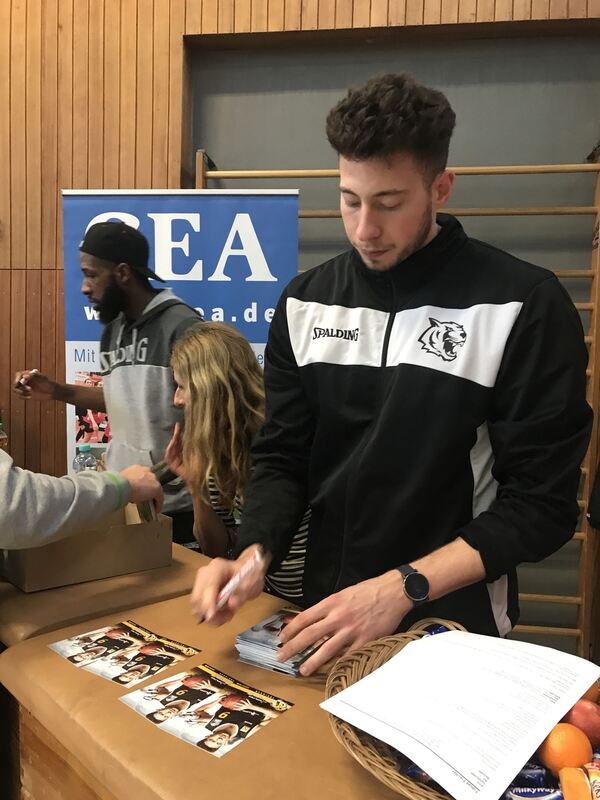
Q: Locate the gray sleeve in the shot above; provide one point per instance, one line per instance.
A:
(38, 509)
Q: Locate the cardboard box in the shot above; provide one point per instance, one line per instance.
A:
(114, 545)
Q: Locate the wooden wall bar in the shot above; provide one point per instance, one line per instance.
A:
(94, 95)
(259, 16)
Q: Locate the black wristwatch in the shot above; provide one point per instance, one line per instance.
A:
(416, 585)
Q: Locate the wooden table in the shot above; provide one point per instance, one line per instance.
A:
(23, 615)
(78, 742)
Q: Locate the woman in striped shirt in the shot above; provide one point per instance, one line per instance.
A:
(220, 387)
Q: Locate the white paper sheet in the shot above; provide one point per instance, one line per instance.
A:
(470, 710)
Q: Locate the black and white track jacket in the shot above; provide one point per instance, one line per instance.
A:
(442, 398)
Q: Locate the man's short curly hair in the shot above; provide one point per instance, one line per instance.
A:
(393, 114)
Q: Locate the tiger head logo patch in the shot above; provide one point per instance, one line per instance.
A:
(443, 339)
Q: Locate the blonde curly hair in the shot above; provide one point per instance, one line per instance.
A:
(224, 409)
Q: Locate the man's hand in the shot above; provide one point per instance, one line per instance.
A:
(32, 385)
(174, 453)
(211, 579)
(144, 485)
(348, 619)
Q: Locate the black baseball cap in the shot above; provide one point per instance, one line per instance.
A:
(119, 243)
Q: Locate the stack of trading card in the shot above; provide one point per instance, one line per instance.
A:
(259, 645)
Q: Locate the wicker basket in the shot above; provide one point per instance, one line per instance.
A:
(374, 755)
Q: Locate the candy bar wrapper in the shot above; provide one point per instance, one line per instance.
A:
(533, 793)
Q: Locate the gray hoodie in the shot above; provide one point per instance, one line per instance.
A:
(139, 388)
(39, 509)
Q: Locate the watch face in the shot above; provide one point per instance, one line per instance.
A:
(416, 586)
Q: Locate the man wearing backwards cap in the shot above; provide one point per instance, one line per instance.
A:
(141, 325)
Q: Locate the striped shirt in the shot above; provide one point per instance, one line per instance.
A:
(287, 581)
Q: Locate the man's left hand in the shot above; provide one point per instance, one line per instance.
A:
(348, 619)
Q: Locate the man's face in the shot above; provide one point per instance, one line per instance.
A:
(217, 740)
(83, 658)
(388, 207)
(100, 287)
(167, 713)
(131, 675)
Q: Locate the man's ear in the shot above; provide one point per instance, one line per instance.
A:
(123, 274)
(441, 189)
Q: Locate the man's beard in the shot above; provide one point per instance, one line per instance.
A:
(420, 238)
(113, 302)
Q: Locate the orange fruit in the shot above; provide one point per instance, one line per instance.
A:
(574, 784)
(565, 746)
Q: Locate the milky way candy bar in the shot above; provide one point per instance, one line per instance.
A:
(533, 793)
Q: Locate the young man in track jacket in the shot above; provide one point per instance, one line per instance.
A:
(425, 395)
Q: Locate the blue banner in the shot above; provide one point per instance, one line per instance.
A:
(227, 254)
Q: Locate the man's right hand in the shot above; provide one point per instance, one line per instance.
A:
(211, 579)
(144, 485)
(32, 385)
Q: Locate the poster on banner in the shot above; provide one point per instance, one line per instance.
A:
(229, 254)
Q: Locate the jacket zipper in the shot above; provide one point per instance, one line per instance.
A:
(386, 341)
(388, 330)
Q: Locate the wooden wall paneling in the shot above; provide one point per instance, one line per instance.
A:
(210, 16)
(47, 364)
(503, 10)
(33, 312)
(33, 135)
(226, 15)
(467, 10)
(259, 12)
(161, 84)
(558, 9)
(96, 97)
(432, 12)
(326, 14)
(449, 12)
(397, 12)
(485, 10)
(5, 197)
(310, 14)
(193, 15)
(276, 20)
(49, 132)
(6, 375)
(112, 93)
(577, 9)
(293, 15)
(593, 8)
(361, 15)
(18, 305)
(521, 9)
(18, 135)
(179, 144)
(343, 13)
(79, 153)
(128, 93)
(60, 443)
(540, 9)
(65, 113)
(144, 84)
(242, 16)
(379, 13)
(414, 12)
